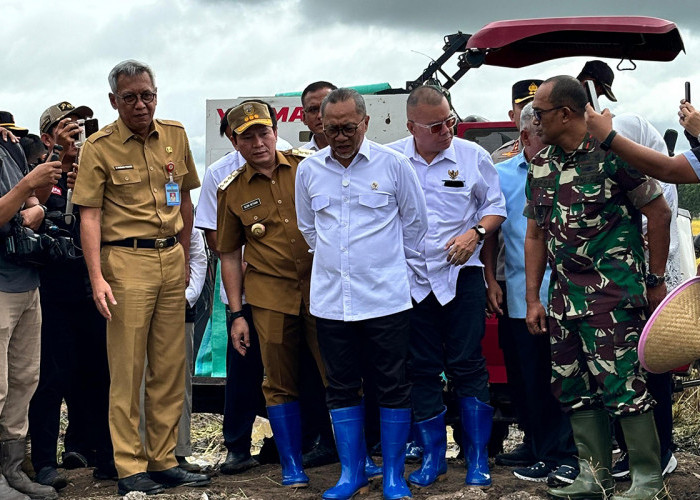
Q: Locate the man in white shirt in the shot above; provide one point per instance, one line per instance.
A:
(311, 99)
(361, 210)
(448, 320)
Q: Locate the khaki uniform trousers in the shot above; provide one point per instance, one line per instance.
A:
(20, 351)
(148, 322)
(280, 337)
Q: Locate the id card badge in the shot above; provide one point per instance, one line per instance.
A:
(172, 190)
(172, 194)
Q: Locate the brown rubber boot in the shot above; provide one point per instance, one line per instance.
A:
(11, 456)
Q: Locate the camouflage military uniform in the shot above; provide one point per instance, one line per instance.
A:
(587, 202)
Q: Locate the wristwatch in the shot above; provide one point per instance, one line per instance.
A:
(480, 231)
(654, 280)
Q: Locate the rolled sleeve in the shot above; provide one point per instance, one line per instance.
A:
(91, 179)
(693, 157)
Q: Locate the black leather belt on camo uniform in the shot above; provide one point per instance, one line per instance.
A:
(139, 243)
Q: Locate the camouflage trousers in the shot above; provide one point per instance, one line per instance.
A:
(594, 361)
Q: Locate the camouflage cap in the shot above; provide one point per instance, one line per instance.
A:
(247, 114)
(57, 112)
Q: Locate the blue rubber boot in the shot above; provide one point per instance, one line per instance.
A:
(372, 470)
(433, 439)
(285, 421)
(348, 426)
(477, 418)
(395, 425)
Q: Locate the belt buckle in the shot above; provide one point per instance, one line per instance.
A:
(161, 242)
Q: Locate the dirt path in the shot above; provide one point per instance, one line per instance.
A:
(262, 483)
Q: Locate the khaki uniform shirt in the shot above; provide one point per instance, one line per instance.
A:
(126, 175)
(278, 270)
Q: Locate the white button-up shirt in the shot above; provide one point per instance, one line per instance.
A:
(461, 186)
(365, 224)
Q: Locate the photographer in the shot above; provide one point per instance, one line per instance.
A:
(73, 345)
(20, 317)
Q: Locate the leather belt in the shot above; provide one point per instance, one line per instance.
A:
(140, 243)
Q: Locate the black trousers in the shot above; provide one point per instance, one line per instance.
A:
(73, 367)
(372, 350)
(448, 338)
(243, 399)
(528, 366)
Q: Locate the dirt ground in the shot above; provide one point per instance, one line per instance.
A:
(262, 483)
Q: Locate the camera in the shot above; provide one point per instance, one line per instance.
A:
(48, 245)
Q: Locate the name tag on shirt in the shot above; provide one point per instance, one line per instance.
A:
(251, 204)
(453, 183)
(124, 167)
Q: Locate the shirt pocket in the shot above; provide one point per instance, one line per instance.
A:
(543, 203)
(586, 204)
(179, 171)
(374, 209)
(128, 186)
(323, 218)
(256, 215)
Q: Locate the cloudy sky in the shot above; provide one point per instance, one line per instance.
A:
(207, 49)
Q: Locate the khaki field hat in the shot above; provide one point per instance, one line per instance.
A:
(248, 114)
(671, 337)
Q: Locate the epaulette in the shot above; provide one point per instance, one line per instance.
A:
(304, 153)
(172, 123)
(231, 177)
(105, 132)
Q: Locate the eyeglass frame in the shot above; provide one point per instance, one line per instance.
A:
(537, 113)
(343, 130)
(127, 97)
(437, 125)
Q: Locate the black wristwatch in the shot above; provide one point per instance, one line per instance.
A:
(654, 280)
(607, 143)
(480, 231)
(233, 315)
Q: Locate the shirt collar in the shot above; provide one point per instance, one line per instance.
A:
(250, 172)
(587, 144)
(364, 151)
(125, 132)
(447, 154)
(522, 161)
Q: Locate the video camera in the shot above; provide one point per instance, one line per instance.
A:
(49, 245)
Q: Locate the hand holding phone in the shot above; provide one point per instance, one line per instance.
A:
(592, 95)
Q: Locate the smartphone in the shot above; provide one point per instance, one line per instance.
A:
(591, 93)
(91, 126)
(687, 91)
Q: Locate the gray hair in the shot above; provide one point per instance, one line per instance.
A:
(527, 116)
(342, 95)
(425, 94)
(129, 67)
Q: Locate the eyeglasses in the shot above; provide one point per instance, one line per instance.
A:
(131, 99)
(436, 128)
(348, 130)
(539, 112)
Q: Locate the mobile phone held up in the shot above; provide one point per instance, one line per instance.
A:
(592, 95)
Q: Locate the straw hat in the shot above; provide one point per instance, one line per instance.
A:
(671, 337)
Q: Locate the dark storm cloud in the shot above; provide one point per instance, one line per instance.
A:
(449, 16)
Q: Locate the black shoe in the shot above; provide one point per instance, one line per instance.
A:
(319, 455)
(621, 469)
(520, 456)
(563, 476)
(236, 463)
(185, 465)
(175, 476)
(139, 482)
(74, 460)
(49, 476)
(537, 473)
(106, 472)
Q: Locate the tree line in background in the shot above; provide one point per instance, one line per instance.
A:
(689, 198)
